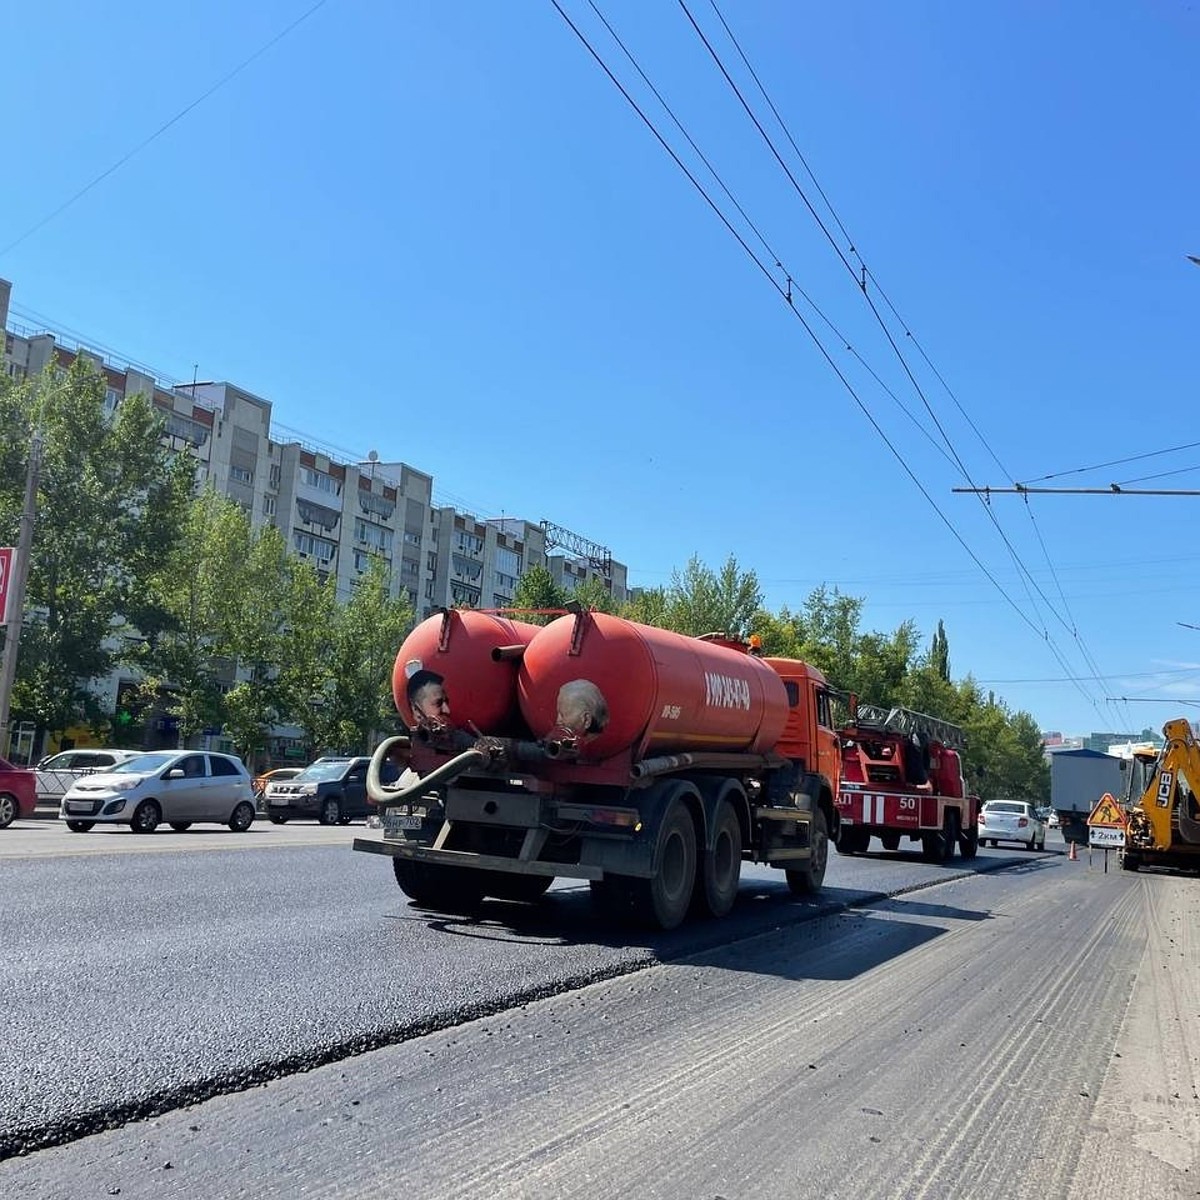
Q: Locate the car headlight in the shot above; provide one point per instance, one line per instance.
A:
(309, 789)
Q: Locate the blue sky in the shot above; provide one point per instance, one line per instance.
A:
(436, 230)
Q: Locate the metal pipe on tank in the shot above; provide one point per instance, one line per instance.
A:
(381, 793)
(508, 653)
(712, 761)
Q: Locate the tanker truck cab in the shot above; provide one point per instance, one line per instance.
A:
(648, 763)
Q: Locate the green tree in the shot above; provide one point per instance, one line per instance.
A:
(110, 504)
(536, 589)
(700, 600)
(259, 621)
(356, 691)
(648, 606)
(189, 654)
(593, 593)
(939, 652)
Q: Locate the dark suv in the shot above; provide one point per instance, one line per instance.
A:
(334, 790)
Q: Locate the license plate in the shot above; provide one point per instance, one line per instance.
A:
(282, 800)
(80, 806)
(396, 823)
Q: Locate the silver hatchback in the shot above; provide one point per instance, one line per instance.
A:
(180, 787)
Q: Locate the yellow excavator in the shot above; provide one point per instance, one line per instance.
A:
(1163, 802)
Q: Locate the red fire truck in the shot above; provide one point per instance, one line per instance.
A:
(902, 778)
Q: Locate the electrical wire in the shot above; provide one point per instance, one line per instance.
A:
(1116, 462)
(765, 271)
(183, 112)
(861, 279)
(792, 286)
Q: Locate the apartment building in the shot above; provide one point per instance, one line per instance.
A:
(335, 510)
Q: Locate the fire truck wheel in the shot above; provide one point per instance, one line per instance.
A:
(663, 900)
(939, 847)
(968, 843)
(432, 885)
(722, 867)
(891, 841)
(525, 888)
(805, 881)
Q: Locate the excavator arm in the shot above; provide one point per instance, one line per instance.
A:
(1168, 815)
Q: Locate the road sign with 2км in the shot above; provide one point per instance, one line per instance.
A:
(1106, 825)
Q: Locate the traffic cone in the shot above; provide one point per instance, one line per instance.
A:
(1073, 855)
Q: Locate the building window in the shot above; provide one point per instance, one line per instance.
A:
(313, 547)
(469, 543)
(461, 594)
(320, 481)
(184, 427)
(508, 561)
(273, 477)
(508, 582)
(413, 539)
(111, 399)
(374, 536)
(268, 506)
(241, 474)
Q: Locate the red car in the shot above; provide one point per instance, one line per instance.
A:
(18, 793)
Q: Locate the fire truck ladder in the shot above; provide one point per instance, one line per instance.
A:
(907, 721)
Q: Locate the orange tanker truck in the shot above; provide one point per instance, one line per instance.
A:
(648, 763)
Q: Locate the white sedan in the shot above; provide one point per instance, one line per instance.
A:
(1011, 821)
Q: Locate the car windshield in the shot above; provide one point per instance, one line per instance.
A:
(332, 769)
(143, 764)
(1004, 807)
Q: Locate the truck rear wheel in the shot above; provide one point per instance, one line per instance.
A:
(804, 881)
(663, 899)
(433, 885)
(891, 841)
(721, 871)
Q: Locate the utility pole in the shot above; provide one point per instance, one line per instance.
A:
(16, 601)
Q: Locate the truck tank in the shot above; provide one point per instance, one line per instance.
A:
(601, 685)
(476, 654)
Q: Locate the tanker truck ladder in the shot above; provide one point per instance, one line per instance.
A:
(907, 721)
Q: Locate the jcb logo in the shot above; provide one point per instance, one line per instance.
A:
(1165, 780)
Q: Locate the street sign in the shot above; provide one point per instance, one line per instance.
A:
(1105, 836)
(1107, 815)
(7, 555)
